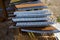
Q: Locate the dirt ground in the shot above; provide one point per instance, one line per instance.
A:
(54, 6)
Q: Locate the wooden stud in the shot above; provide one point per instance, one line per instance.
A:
(2, 4)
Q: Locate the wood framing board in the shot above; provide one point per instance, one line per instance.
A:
(12, 1)
(40, 31)
(52, 29)
(47, 28)
(36, 28)
(29, 5)
(32, 8)
(4, 12)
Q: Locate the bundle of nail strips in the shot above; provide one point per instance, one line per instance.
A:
(37, 18)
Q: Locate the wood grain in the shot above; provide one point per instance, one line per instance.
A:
(29, 5)
(40, 28)
(4, 9)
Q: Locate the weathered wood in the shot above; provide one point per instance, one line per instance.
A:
(2, 19)
(40, 31)
(22, 1)
(4, 12)
(29, 5)
(47, 28)
(2, 4)
(30, 8)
